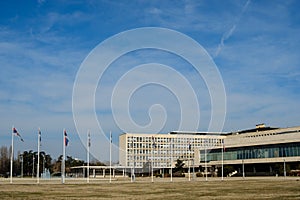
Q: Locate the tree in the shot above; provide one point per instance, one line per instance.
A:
(4, 161)
(227, 170)
(69, 162)
(30, 158)
(97, 163)
(45, 161)
(27, 158)
(179, 166)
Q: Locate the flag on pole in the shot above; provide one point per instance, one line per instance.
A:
(110, 137)
(190, 146)
(89, 139)
(40, 137)
(223, 143)
(66, 142)
(17, 134)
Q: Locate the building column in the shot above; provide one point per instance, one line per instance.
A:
(103, 173)
(94, 173)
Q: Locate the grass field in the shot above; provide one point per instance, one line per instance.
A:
(230, 188)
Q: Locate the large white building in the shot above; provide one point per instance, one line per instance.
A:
(162, 150)
(260, 150)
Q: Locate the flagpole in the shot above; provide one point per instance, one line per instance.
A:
(12, 154)
(133, 172)
(152, 165)
(63, 160)
(110, 140)
(88, 157)
(171, 160)
(193, 160)
(131, 168)
(188, 156)
(205, 160)
(188, 159)
(223, 160)
(38, 163)
(152, 159)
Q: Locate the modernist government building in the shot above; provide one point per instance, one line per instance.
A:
(259, 151)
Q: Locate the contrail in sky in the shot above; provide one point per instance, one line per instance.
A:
(228, 33)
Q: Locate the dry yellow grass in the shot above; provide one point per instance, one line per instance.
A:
(233, 188)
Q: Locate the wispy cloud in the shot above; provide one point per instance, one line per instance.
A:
(255, 46)
(229, 33)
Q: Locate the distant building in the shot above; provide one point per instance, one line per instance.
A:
(259, 151)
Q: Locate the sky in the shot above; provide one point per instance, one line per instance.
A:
(45, 46)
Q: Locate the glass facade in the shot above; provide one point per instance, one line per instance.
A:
(253, 152)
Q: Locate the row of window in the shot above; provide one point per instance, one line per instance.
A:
(177, 143)
(168, 140)
(140, 150)
(254, 152)
(159, 156)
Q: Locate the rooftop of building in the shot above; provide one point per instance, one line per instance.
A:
(196, 133)
(258, 128)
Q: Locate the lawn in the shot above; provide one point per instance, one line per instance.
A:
(232, 188)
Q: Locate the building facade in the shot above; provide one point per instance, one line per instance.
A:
(162, 150)
(262, 151)
(259, 149)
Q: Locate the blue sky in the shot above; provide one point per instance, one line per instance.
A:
(254, 44)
